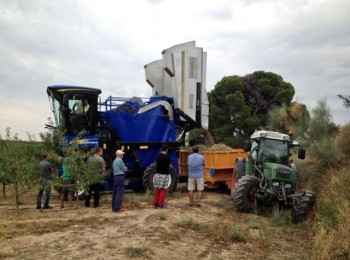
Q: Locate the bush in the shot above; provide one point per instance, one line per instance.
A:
(333, 216)
(342, 143)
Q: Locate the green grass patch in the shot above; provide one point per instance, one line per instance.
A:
(190, 223)
(236, 234)
(162, 216)
(110, 244)
(134, 252)
(254, 224)
(277, 216)
(139, 197)
(264, 236)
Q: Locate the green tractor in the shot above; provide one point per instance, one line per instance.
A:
(266, 178)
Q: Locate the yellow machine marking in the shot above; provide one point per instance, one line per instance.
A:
(183, 74)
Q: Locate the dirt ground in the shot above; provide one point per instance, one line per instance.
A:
(213, 231)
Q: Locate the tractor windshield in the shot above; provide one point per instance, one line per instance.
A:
(275, 151)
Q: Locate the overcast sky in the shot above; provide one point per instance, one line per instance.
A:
(105, 44)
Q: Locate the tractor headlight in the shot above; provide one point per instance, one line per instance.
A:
(288, 186)
(275, 184)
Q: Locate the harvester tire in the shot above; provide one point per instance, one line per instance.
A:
(148, 175)
(304, 207)
(246, 188)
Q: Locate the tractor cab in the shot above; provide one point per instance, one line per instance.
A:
(74, 108)
(272, 147)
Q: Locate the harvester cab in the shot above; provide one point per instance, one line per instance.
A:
(74, 108)
(266, 177)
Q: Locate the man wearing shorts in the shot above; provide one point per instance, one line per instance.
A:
(195, 163)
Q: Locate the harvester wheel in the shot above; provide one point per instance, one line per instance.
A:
(246, 188)
(148, 175)
(304, 207)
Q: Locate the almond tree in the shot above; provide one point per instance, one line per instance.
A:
(19, 162)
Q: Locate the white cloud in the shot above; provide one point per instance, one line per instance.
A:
(105, 44)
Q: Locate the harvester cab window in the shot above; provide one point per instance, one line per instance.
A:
(57, 112)
(79, 109)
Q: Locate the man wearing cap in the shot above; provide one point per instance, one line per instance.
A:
(119, 170)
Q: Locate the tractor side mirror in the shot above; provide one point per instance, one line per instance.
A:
(247, 145)
(301, 153)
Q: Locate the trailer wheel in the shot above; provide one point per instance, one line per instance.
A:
(148, 175)
(246, 189)
(304, 207)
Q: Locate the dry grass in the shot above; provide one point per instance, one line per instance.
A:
(333, 216)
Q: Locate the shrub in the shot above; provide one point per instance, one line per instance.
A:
(342, 142)
(333, 215)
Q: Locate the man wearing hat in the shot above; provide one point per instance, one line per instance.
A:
(119, 170)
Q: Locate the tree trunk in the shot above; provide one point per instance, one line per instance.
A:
(76, 194)
(4, 189)
(17, 194)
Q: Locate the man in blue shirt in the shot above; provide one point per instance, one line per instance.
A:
(195, 163)
(119, 170)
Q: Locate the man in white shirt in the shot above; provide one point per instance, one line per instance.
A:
(82, 106)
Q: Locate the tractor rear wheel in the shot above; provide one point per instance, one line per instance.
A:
(238, 172)
(246, 189)
(304, 207)
(148, 175)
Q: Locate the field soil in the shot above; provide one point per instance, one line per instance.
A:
(214, 231)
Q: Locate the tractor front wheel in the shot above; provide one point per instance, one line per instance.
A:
(304, 207)
(245, 194)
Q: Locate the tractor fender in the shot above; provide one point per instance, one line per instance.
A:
(240, 163)
(238, 172)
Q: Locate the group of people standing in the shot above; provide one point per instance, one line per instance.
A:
(98, 165)
(96, 161)
(195, 163)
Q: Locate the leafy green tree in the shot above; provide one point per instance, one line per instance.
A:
(75, 158)
(295, 117)
(320, 137)
(239, 105)
(346, 100)
(19, 161)
(228, 111)
(343, 142)
(263, 90)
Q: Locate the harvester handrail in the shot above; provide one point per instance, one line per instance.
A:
(114, 102)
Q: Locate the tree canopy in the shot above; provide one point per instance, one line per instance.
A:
(346, 100)
(239, 105)
(295, 117)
